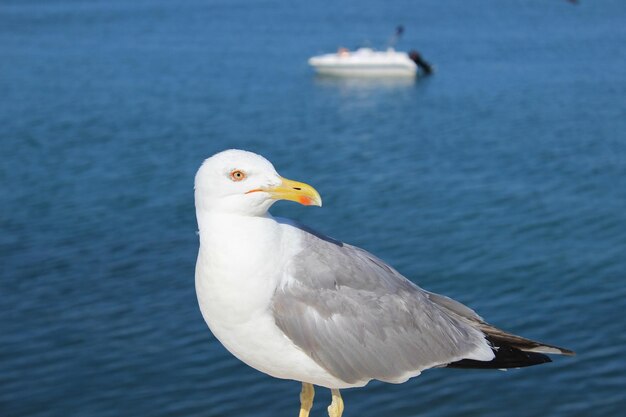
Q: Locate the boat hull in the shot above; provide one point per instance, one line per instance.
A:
(361, 71)
(365, 63)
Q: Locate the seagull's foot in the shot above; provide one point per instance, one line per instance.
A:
(335, 409)
(306, 399)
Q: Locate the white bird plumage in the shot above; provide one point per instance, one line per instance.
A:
(298, 305)
(241, 261)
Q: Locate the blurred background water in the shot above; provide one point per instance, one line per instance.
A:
(499, 181)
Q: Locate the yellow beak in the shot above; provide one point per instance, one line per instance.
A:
(295, 191)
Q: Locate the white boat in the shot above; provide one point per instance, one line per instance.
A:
(365, 62)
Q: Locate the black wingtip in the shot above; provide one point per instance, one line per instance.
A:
(506, 357)
(567, 352)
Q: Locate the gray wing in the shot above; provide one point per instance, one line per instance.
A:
(360, 319)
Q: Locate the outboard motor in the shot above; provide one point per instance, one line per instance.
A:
(421, 63)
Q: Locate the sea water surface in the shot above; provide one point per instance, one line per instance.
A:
(499, 181)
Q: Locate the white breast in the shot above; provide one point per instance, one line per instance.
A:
(240, 263)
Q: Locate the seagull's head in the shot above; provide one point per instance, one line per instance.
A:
(241, 182)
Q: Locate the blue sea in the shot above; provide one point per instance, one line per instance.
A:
(499, 181)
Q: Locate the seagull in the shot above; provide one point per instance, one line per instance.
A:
(296, 304)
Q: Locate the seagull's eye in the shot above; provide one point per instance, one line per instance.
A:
(237, 175)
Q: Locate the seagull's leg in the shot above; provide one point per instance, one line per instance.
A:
(335, 409)
(306, 399)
